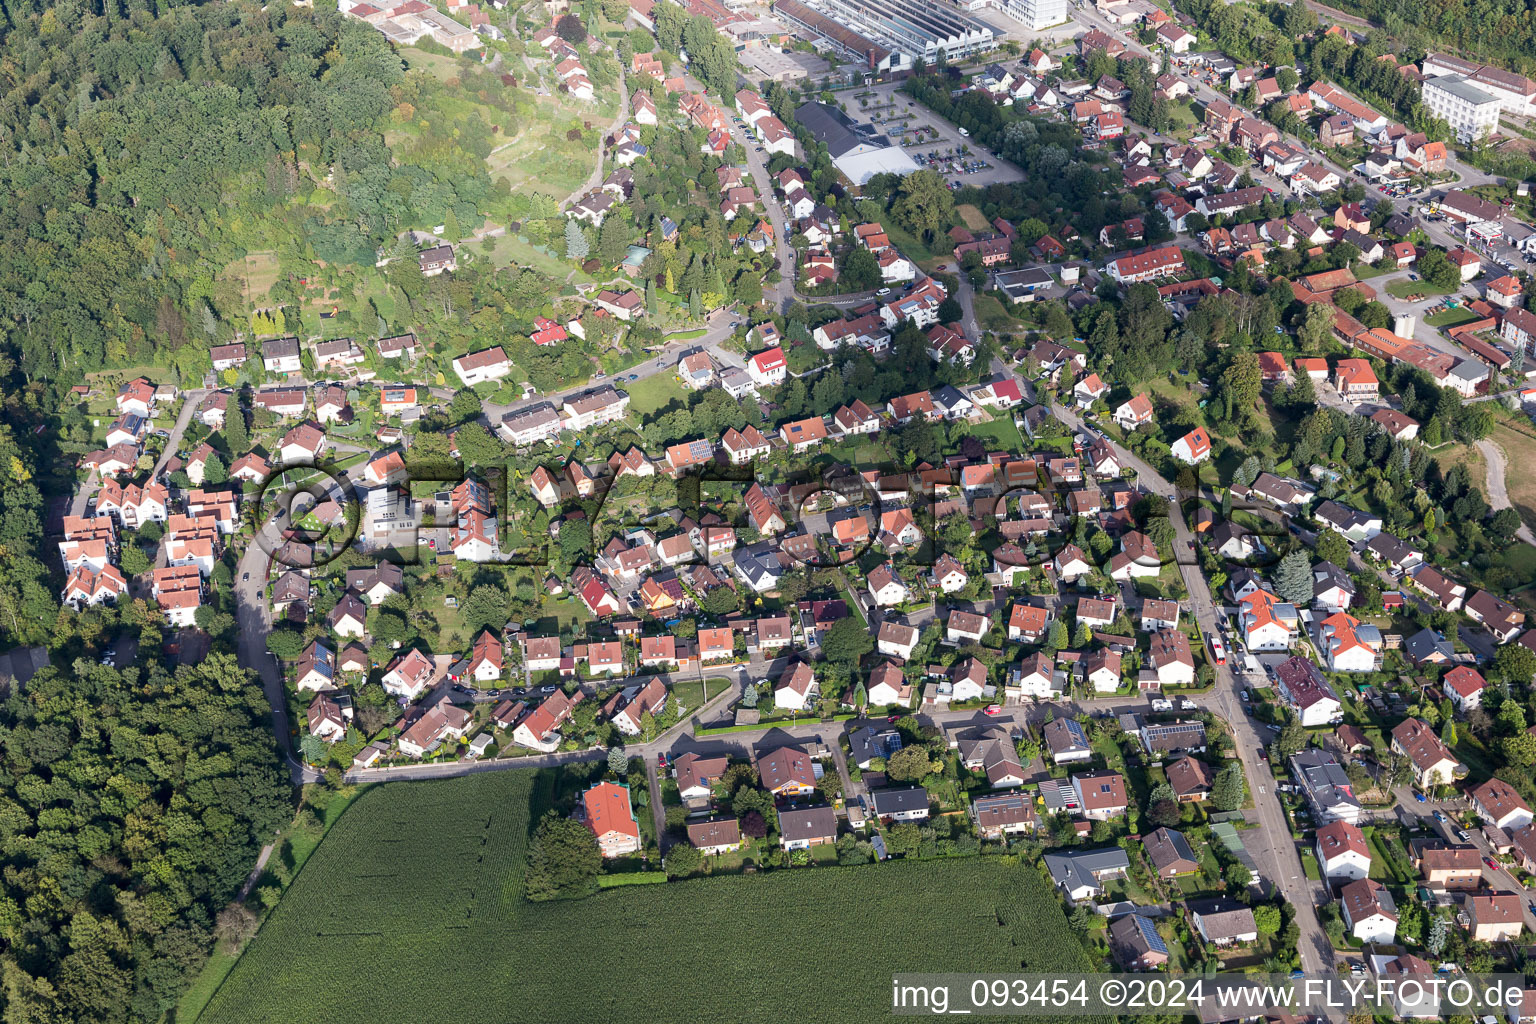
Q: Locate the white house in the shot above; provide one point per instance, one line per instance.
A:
(1193, 448)
(1267, 624)
(1463, 686)
(478, 367)
(768, 368)
(1342, 852)
(886, 588)
(408, 674)
(796, 688)
(1498, 802)
(896, 639)
(1369, 912)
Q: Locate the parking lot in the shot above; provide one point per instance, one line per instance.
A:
(928, 139)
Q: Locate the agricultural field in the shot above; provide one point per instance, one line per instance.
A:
(417, 893)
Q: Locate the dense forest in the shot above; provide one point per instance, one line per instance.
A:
(141, 154)
(133, 805)
(1502, 31)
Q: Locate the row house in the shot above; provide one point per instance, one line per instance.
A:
(178, 590)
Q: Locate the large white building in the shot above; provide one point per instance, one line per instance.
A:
(1515, 93)
(1471, 112)
(1035, 14)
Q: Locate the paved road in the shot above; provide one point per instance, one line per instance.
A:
(450, 769)
(254, 621)
(1498, 495)
(783, 292)
(188, 407)
(1271, 845)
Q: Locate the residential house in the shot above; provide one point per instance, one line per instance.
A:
(1100, 794)
(1498, 616)
(1170, 854)
(1135, 942)
(1004, 814)
(1497, 801)
(900, 805)
(1463, 686)
(1190, 780)
(802, 828)
(796, 688)
(1081, 874)
(1342, 852)
(1433, 763)
(1326, 786)
(1448, 867)
(1223, 921)
(1495, 917)
(1066, 741)
(610, 816)
(786, 772)
(1369, 913)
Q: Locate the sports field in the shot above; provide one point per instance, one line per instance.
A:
(412, 910)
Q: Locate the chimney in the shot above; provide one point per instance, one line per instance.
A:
(1403, 326)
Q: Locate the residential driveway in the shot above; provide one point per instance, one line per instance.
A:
(81, 502)
(192, 398)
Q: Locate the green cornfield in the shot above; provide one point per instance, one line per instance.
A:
(411, 910)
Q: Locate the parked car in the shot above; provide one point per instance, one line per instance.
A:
(992, 709)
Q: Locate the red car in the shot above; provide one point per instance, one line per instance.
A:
(992, 709)
(1492, 866)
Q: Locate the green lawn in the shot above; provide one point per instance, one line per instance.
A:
(695, 693)
(513, 250)
(1000, 431)
(991, 315)
(207, 982)
(1403, 288)
(417, 894)
(1309, 865)
(1452, 317)
(649, 394)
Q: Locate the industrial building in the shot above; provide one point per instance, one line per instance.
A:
(1035, 15)
(1471, 112)
(856, 150)
(891, 35)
